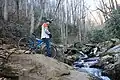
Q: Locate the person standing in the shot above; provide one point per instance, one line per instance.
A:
(46, 35)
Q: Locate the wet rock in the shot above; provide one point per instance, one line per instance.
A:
(104, 46)
(115, 49)
(113, 71)
(78, 45)
(111, 65)
(71, 59)
(116, 41)
(110, 62)
(106, 58)
(71, 55)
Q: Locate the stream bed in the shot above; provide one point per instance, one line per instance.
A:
(87, 65)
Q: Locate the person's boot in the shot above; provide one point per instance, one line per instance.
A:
(49, 55)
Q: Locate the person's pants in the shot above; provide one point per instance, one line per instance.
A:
(47, 42)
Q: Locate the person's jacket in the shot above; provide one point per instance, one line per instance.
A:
(45, 32)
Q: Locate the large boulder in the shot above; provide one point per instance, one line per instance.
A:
(113, 70)
(104, 46)
(39, 67)
(111, 63)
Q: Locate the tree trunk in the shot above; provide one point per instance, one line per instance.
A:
(17, 7)
(20, 4)
(63, 25)
(83, 22)
(66, 26)
(112, 3)
(42, 12)
(26, 10)
(105, 13)
(79, 24)
(5, 11)
(116, 3)
(32, 19)
(79, 34)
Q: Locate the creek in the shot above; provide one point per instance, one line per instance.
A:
(87, 65)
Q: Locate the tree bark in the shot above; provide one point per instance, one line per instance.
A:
(112, 3)
(42, 12)
(66, 26)
(17, 9)
(32, 19)
(79, 24)
(26, 8)
(116, 3)
(5, 11)
(20, 4)
(83, 22)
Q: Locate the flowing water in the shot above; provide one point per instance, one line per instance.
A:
(84, 66)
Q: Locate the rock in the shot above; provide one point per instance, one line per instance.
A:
(104, 46)
(115, 41)
(75, 75)
(1, 48)
(1, 42)
(12, 50)
(39, 67)
(73, 54)
(3, 78)
(21, 51)
(113, 71)
(115, 49)
(78, 45)
(27, 52)
(8, 46)
(111, 66)
(106, 58)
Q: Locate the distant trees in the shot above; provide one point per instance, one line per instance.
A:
(113, 24)
(111, 14)
(70, 16)
(107, 7)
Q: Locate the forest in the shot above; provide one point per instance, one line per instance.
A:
(73, 20)
(88, 26)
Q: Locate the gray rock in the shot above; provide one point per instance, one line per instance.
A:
(115, 49)
(39, 67)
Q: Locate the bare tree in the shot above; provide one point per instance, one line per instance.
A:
(32, 18)
(17, 8)
(5, 10)
(26, 8)
(42, 7)
(112, 3)
(116, 3)
(20, 4)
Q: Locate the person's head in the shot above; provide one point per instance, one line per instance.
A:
(48, 21)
